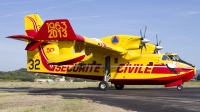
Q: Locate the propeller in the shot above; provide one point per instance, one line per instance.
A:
(158, 47)
(143, 40)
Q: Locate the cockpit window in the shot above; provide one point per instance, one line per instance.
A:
(165, 57)
(177, 57)
(172, 58)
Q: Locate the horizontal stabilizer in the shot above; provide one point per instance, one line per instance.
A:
(33, 45)
(21, 37)
(66, 59)
(56, 30)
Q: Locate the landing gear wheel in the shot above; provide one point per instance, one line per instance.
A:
(103, 85)
(119, 87)
(179, 87)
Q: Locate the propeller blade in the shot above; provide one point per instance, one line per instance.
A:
(141, 33)
(145, 46)
(157, 39)
(145, 30)
(141, 52)
(159, 42)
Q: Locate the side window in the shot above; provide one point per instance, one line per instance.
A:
(165, 57)
(115, 60)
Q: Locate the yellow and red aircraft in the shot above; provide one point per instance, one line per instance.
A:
(54, 48)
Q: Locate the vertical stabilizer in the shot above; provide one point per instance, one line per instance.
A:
(33, 23)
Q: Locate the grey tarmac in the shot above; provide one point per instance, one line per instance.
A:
(141, 100)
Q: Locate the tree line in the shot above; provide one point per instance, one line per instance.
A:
(23, 75)
(198, 77)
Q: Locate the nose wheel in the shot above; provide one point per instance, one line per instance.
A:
(179, 87)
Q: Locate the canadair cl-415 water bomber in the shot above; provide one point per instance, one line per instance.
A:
(54, 48)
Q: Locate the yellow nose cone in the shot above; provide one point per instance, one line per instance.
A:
(195, 70)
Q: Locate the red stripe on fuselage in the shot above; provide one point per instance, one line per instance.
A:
(52, 67)
(45, 59)
(161, 69)
(154, 81)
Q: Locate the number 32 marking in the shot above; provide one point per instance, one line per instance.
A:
(34, 64)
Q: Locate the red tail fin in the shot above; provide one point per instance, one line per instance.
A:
(56, 30)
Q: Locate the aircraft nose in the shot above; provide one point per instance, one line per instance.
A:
(195, 71)
(189, 73)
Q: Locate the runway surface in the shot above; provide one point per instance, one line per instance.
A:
(141, 100)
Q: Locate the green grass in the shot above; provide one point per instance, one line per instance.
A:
(48, 84)
(79, 85)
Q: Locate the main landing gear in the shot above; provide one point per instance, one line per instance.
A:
(119, 87)
(179, 87)
(103, 85)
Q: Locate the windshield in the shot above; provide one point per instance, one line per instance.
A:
(171, 57)
(174, 57)
(177, 57)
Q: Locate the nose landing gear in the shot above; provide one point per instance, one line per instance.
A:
(179, 87)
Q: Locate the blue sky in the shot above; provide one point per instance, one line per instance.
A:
(177, 23)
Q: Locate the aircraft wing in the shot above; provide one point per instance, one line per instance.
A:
(92, 44)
